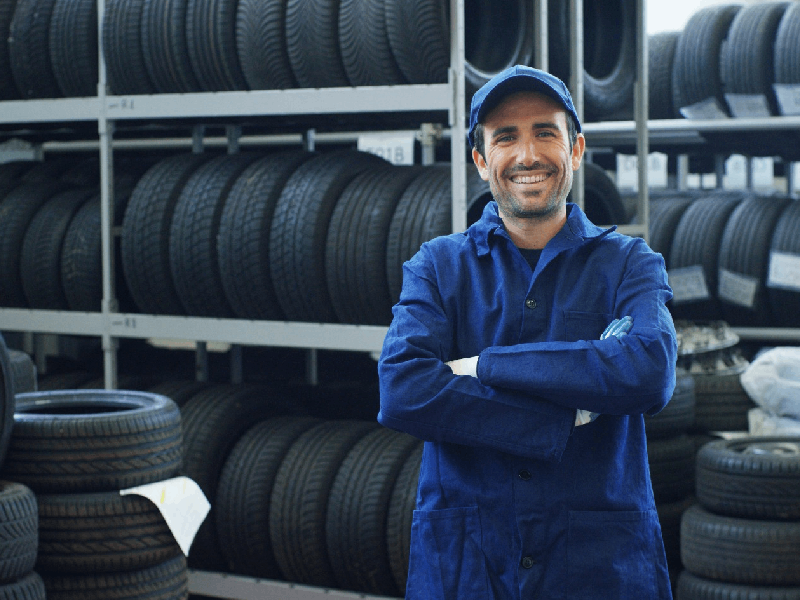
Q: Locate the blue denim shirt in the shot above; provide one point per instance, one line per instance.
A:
(513, 500)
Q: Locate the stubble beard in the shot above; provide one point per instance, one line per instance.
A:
(512, 207)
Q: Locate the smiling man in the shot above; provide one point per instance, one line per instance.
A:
(525, 352)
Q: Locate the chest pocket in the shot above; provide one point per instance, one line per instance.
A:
(584, 325)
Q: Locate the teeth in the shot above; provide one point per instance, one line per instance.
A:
(530, 178)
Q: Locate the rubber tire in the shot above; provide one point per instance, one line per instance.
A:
(672, 468)
(164, 47)
(665, 215)
(213, 421)
(696, 70)
(244, 493)
(73, 47)
(126, 71)
(751, 478)
(145, 234)
(677, 416)
(299, 501)
(93, 440)
(28, 587)
(261, 44)
(211, 42)
(40, 260)
(747, 56)
(744, 250)
(721, 403)
(101, 533)
(692, 587)
(8, 89)
(357, 511)
(19, 530)
(602, 203)
(419, 36)
(786, 57)
(299, 232)
(401, 511)
(660, 57)
(23, 372)
(316, 64)
(364, 44)
(742, 551)
(784, 303)
(193, 257)
(243, 246)
(166, 581)
(29, 49)
(355, 252)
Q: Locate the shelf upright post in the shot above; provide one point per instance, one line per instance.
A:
(540, 33)
(312, 362)
(105, 128)
(641, 109)
(458, 117)
(576, 83)
(234, 134)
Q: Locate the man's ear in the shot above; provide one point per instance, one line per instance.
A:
(577, 151)
(481, 164)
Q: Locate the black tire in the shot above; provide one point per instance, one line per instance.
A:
(677, 416)
(696, 243)
(211, 41)
(744, 257)
(213, 421)
(366, 55)
(145, 234)
(68, 380)
(244, 492)
(787, 58)
(179, 391)
(740, 550)
(73, 47)
(40, 260)
(93, 440)
(7, 400)
(671, 463)
(660, 57)
(752, 477)
(243, 246)
(419, 36)
(299, 230)
(357, 511)
(12, 172)
(49, 170)
(166, 581)
(665, 214)
(164, 46)
(423, 213)
(23, 371)
(401, 511)
(692, 587)
(602, 203)
(299, 501)
(355, 253)
(19, 529)
(261, 44)
(126, 71)
(316, 64)
(696, 69)
(28, 587)
(721, 403)
(29, 49)
(17, 210)
(8, 89)
(101, 533)
(669, 517)
(783, 293)
(193, 235)
(747, 57)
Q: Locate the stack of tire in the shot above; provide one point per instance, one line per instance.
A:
(75, 450)
(671, 456)
(742, 539)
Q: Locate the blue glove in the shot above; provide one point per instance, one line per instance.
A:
(617, 328)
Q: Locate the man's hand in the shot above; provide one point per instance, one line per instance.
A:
(617, 328)
(464, 366)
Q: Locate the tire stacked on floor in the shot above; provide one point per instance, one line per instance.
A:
(76, 449)
(742, 539)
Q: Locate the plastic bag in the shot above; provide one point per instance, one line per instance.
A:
(772, 381)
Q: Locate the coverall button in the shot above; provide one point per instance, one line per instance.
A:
(530, 303)
(527, 562)
(525, 475)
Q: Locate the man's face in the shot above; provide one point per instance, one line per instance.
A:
(528, 160)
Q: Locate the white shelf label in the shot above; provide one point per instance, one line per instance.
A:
(748, 105)
(737, 288)
(688, 284)
(784, 271)
(397, 149)
(707, 109)
(628, 171)
(182, 504)
(788, 98)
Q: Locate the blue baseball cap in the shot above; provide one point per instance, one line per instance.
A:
(517, 79)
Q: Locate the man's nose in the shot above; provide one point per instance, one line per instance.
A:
(527, 153)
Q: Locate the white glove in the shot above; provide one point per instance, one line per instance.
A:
(464, 366)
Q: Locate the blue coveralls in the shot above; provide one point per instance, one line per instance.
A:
(514, 501)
